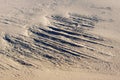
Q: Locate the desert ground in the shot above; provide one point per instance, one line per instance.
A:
(59, 40)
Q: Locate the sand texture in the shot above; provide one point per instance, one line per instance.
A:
(59, 40)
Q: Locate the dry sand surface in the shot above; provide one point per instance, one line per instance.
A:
(59, 40)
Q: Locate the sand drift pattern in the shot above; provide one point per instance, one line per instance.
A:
(66, 42)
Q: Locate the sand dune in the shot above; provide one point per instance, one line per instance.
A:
(59, 40)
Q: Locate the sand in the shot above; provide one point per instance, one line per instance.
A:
(59, 40)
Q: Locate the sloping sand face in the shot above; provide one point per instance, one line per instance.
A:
(61, 40)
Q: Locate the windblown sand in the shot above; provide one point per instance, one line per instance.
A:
(59, 40)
